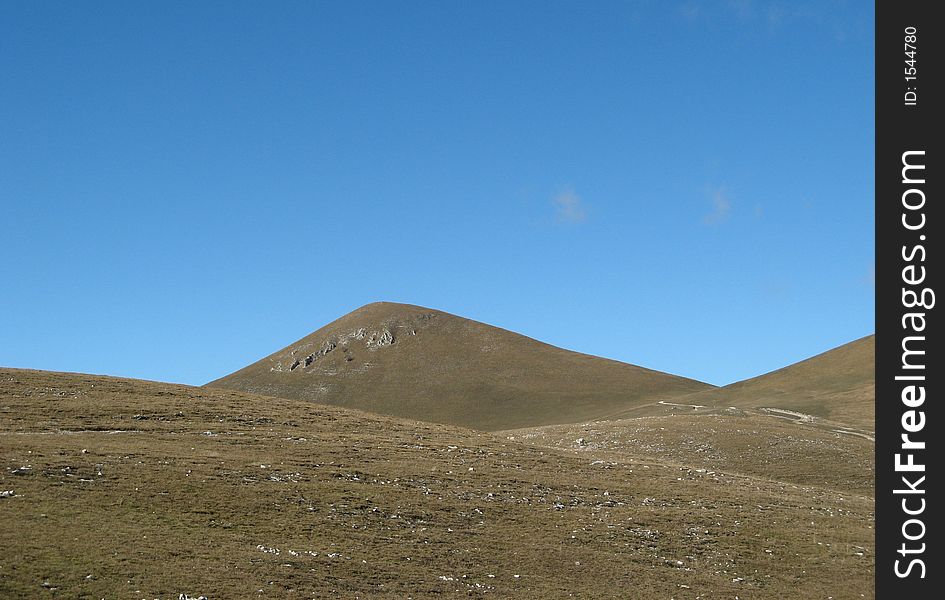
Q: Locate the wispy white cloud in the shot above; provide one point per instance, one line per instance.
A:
(569, 208)
(693, 10)
(776, 15)
(721, 206)
(690, 11)
(742, 8)
(776, 289)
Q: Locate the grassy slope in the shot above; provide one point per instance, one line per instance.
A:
(447, 369)
(833, 447)
(750, 443)
(837, 385)
(147, 490)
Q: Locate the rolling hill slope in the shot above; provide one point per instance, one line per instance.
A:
(120, 488)
(746, 442)
(414, 362)
(838, 385)
(810, 423)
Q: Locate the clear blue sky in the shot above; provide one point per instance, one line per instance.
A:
(188, 186)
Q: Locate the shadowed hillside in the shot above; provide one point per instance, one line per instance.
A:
(409, 361)
(119, 488)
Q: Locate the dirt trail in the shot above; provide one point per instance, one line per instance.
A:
(856, 433)
(788, 414)
(799, 417)
(692, 406)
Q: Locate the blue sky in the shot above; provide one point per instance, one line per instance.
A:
(186, 187)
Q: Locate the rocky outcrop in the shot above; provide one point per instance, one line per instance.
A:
(326, 347)
(379, 339)
(373, 340)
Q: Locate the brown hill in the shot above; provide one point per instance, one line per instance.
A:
(838, 385)
(810, 423)
(130, 489)
(409, 361)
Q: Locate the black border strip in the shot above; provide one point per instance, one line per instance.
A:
(908, 271)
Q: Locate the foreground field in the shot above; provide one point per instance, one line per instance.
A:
(130, 489)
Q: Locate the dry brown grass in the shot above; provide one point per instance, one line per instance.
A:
(752, 443)
(838, 385)
(147, 490)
